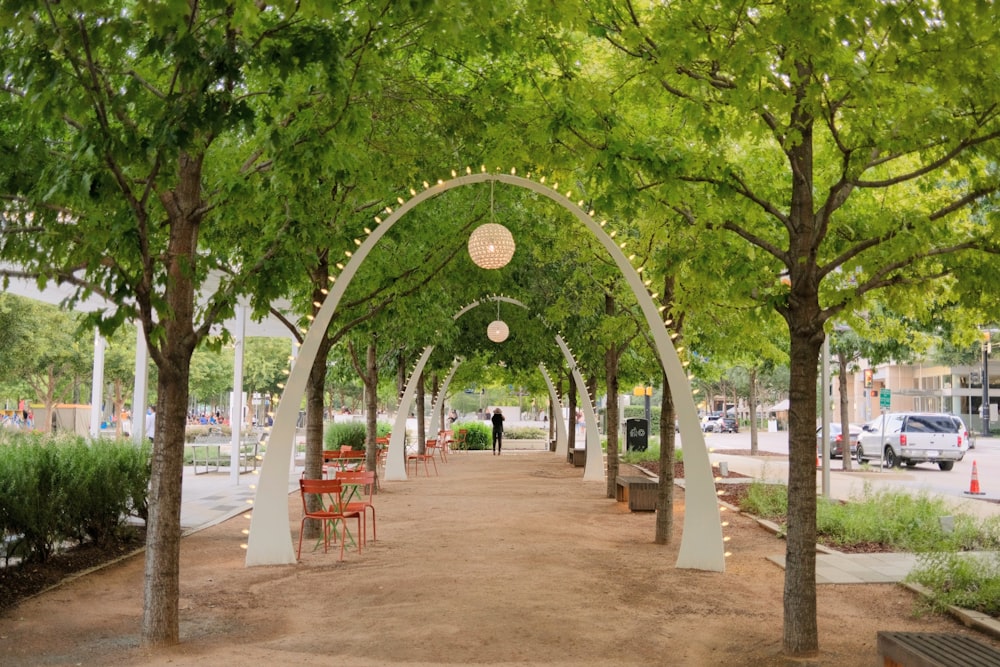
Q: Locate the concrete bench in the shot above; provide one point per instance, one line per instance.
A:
(638, 492)
(578, 457)
(924, 649)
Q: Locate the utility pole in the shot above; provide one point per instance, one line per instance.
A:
(986, 383)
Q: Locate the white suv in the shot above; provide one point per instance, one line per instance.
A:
(912, 438)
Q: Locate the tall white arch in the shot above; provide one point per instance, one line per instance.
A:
(395, 462)
(438, 400)
(594, 468)
(270, 540)
(562, 435)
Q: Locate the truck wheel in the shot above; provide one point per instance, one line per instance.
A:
(890, 457)
(946, 465)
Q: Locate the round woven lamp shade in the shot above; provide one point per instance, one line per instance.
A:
(497, 331)
(491, 246)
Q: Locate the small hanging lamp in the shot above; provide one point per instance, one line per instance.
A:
(497, 331)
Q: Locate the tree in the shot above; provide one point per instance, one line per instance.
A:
(48, 352)
(125, 126)
(849, 147)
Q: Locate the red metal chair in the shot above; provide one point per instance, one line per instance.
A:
(360, 485)
(332, 510)
(428, 455)
(444, 444)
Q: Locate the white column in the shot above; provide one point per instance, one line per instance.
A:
(140, 387)
(97, 385)
(236, 404)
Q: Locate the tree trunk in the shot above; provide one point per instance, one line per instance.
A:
(315, 392)
(611, 412)
(612, 418)
(119, 406)
(313, 469)
(171, 352)
(800, 628)
(753, 411)
(370, 380)
(665, 489)
(572, 412)
(421, 426)
(845, 417)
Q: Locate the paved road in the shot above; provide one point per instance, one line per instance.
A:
(954, 483)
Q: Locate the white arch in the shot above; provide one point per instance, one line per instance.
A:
(562, 435)
(395, 461)
(270, 540)
(594, 468)
(442, 392)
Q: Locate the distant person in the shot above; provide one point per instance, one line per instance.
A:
(579, 422)
(497, 420)
(150, 423)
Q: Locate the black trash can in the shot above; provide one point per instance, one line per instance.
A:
(636, 435)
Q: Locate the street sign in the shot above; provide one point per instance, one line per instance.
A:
(884, 396)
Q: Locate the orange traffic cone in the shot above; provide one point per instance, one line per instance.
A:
(974, 484)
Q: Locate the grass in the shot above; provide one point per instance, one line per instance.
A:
(652, 453)
(904, 522)
(954, 579)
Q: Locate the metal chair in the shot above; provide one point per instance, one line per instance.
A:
(331, 510)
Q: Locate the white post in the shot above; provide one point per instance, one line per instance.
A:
(97, 385)
(236, 405)
(140, 387)
(846, 444)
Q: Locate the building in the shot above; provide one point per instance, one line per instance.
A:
(956, 390)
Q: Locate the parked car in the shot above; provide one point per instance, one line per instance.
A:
(727, 425)
(967, 441)
(717, 423)
(837, 440)
(912, 438)
(708, 422)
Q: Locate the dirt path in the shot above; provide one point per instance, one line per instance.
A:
(500, 560)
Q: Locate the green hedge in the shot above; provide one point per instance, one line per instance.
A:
(479, 436)
(54, 490)
(351, 434)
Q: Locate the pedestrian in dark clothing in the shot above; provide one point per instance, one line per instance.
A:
(497, 420)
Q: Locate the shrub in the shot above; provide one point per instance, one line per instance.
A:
(768, 501)
(961, 580)
(479, 435)
(351, 434)
(66, 488)
(652, 453)
(524, 433)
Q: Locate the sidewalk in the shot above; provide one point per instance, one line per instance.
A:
(211, 498)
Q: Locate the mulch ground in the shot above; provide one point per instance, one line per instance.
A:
(23, 580)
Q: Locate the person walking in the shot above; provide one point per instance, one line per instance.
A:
(497, 420)
(151, 423)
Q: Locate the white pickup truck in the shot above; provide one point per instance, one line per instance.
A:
(912, 438)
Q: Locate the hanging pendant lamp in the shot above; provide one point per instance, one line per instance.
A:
(497, 331)
(491, 246)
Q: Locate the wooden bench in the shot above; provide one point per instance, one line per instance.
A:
(934, 649)
(638, 492)
(578, 457)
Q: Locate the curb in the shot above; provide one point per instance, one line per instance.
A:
(969, 618)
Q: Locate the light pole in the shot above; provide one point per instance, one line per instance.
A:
(986, 383)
